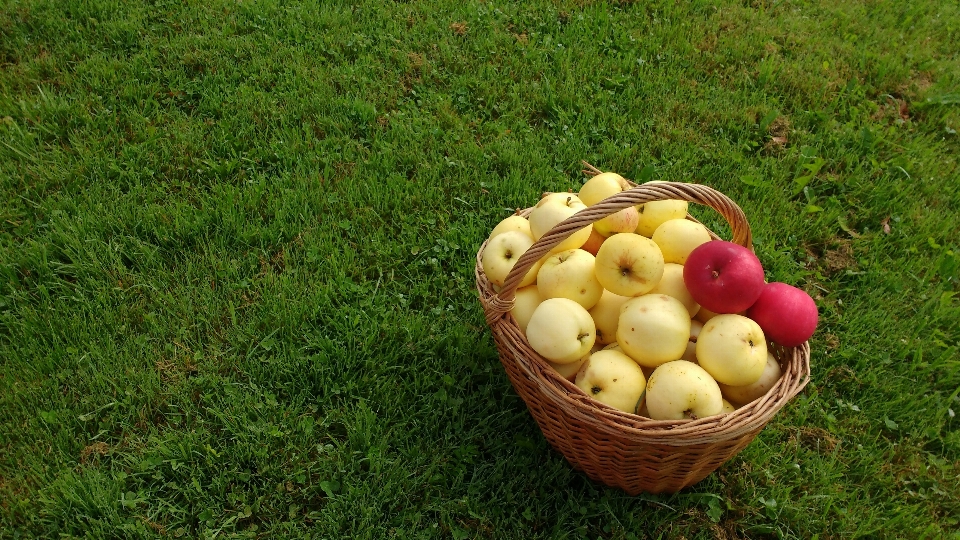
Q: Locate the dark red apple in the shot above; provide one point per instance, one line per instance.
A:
(723, 277)
(786, 314)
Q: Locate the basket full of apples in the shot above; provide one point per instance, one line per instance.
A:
(648, 350)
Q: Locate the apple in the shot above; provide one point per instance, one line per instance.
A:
(569, 371)
(624, 221)
(629, 264)
(653, 214)
(551, 210)
(602, 186)
(723, 277)
(647, 371)
(606, 315)
(741, 395)
(671, 284)
(727, 406)
(592, 245)
(570, 274)
(525, 302)
(653, 329)
(515, 222)
(732, 349)
(678, 237)
(703, 314)
(613, 379)
(561, 330)
(679, 390)
(502, 252)
(787, 314)
(690, 354)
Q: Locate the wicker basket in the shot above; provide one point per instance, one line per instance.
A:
(624, 450)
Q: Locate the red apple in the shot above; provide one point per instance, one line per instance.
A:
(723, 277)
(786, 314)
(594, 242)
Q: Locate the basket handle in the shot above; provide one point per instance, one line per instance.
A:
(696, 193)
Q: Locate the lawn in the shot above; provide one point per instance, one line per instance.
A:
(237, 243)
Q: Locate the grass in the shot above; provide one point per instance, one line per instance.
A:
(237, 245)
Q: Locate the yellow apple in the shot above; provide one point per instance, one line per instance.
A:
(742, 395)
(606, 314)
(612, 378)
(727, 406)
(602, 186)
(653, 329)
(513, 223)
(569, 371)
(561, 330)
(690, 355)
(703, 315)
(525, 302)
(671, 284)
(647, 371)
(732, 349)
(629, 264)
(652, 214)
(570, 274)
(552, 209)
(502, 252)
(678, 390)
(678, 237)
(624, 221)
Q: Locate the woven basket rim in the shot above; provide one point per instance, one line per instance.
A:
(750, 418)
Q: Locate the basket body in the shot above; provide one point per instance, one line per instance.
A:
(622, 450)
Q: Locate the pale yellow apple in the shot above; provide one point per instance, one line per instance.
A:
(602, 186)
(592, 245)
(502, 252)
(552, 209)
(525, 302)
(741, 395)
(561, 330)
(671, 284)
(679, 390)
(690, 354)
(653, 329)
(512, 223)
(629, 264)
(570, 274)
(652, 214)
(624, 221)
(612, 378)
(703, 315)
(647, 371)
(606, 314)
(727, 406)
(678, 237)
(569, 371)
(613, 347)
(732, 349)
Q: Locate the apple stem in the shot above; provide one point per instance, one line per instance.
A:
(715, 274)
(689, 414)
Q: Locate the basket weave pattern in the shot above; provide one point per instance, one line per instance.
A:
(624, 450)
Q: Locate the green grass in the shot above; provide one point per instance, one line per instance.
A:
(237, 244)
